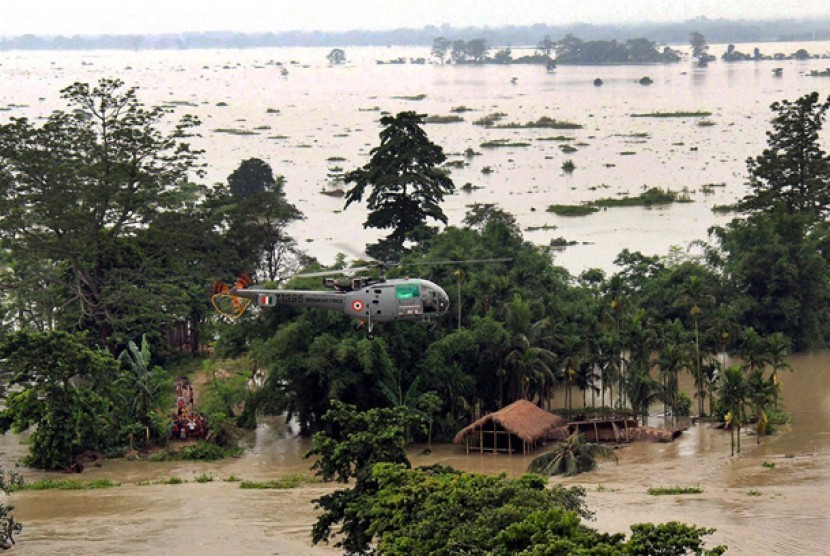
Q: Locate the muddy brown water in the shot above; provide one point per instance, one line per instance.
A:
(756, 510)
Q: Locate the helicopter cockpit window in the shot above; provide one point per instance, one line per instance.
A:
(430, 301)
(407, 291)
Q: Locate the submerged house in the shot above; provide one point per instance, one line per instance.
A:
(521, 426)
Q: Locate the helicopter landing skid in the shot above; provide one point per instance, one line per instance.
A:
(370, 335)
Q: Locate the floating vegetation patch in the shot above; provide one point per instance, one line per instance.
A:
(561, 242)
(291, 481)
(422, 96)
(568, 166)
(234, 131)
(705, 123)
(662, 491)
(221, 104)
(487, 170)
(679, 114)
(335, 159)
(65, 484)
(278, 137)
(456, 163)
(435, 119)
(372, 109)
(710, 187)
(543, 227)
(567, 149)
(460, 109)
(272, 111)
(768, 464)
(817, 73)
(556, 138)
(724, 209)
(754, 492)
(174, 480)
(204, 478)
(468, 187)
(490, 119)
(262, 127)
(496, 143)
(543, 122)
(572, 210)
(650, 197)
(180, 103)
(628, 153)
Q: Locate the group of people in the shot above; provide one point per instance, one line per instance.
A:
(186, 423)
(188, 426)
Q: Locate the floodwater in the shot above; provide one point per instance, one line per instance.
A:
(317, 121)
(320, 113)
(755, 509)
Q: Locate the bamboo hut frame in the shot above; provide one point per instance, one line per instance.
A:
(519, 425)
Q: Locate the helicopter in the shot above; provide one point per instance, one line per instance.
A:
(368, 299)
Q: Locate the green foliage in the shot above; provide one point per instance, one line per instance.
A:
(353, 443)
(68, 484)
(204, 478)
(793, 172)
(663, 491)
(81, 196)
(572, 210)
(9, 526)
(291, 481)
(64, 387)
(406, 184)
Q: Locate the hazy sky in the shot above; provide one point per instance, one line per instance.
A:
(84, 17)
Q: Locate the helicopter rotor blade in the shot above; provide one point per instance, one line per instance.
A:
(334, 272)
(465, 261)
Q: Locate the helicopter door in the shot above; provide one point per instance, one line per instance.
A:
(409, 300)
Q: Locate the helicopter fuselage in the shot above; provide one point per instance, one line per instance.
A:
(381, 301)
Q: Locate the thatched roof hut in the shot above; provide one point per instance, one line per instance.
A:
(520, 424)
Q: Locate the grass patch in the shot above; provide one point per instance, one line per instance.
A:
(754, 492)
(443, 119)
(653, 196)
(66, 484)
(663, 491)
(203, 451)
(231, 479)
(234, 131)
(768, 465)
(204, 478)
(678, 114)
(572, 210)
(724, 209)
(174, 480)
(542, 123)
(291, 481)
(422, 96)
(490, 119)
(496, 143)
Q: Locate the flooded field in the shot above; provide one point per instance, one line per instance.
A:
(756, 509)
(312, 122)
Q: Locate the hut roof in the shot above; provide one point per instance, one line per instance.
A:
(522, 418)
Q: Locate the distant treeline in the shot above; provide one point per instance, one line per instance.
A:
(716, 30)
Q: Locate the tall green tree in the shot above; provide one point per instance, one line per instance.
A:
(732, 392)
(54, 381)
(77, 189)
(793, 173)
(700, 48)
(402, 182)
(440, 48)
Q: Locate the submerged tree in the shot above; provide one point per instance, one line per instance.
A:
(336, 56)
(406, 184)
(571, 457)
(700, 49)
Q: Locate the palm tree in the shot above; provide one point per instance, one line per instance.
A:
(753, 350)
(674, 356)
(733, 391)
(695, 297)
(571, 353)
(529, 365)
(571, 457)
(608, 361)
(778, 349)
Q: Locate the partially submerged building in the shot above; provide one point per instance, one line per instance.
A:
(520, 426)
